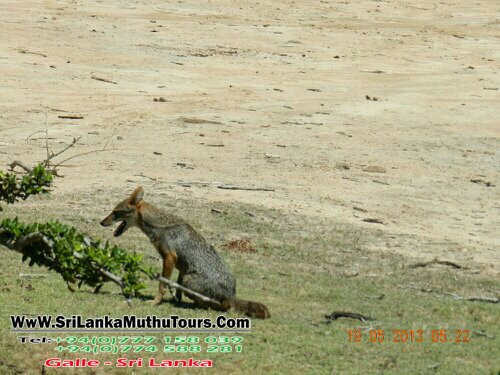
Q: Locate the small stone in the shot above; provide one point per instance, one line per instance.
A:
(374, 169)
(270, 156)
(342, 166)
(351, 274)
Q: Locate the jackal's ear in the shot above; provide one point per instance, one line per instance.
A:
(136, 196)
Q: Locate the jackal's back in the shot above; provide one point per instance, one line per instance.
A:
(195, 257)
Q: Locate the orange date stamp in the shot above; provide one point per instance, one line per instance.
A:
(409, 336)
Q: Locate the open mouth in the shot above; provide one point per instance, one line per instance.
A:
(119, 230)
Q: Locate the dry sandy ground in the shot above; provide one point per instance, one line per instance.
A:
(272, 94)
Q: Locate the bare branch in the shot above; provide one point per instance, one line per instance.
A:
(77, 155)
(110, 276)
(52, 156)
(174, 285)
(32, 134)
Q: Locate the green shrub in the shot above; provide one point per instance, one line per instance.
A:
(14, 187)
(93, 255)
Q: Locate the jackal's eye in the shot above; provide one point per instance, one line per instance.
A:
(124, 211)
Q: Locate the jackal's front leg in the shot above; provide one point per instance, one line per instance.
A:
(169, 260)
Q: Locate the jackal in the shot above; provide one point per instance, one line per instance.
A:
(200, 267)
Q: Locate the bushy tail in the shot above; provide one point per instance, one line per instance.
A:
(252, 309)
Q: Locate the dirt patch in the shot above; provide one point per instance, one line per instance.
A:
(288, 80)
(241, 246)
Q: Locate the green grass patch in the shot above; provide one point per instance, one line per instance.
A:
(302, 270)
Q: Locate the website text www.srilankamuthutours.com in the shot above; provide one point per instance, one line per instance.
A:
(126, 322)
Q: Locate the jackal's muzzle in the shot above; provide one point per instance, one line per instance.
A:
(110, 219)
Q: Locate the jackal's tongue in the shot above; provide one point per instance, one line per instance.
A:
(120, 229)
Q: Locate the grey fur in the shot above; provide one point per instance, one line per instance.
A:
(199, 265)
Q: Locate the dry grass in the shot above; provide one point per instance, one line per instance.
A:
(302, 270)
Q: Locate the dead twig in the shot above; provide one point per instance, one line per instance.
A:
(193, 120)
(342, 314)
(214, 144)
(103, 80)
(474, 298)
(481, 181)
(437, 261)
(420, 8)
(24, 51)
(373, 220)
(234, 187)
(220, 185)
(479, 333)
(455, 296)
(196, 183)
(381, 182)
(143, 175)
(71, 117)
(33, 275)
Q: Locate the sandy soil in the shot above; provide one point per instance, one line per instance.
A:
(272, 95)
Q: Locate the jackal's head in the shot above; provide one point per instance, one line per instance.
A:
(125, 212)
